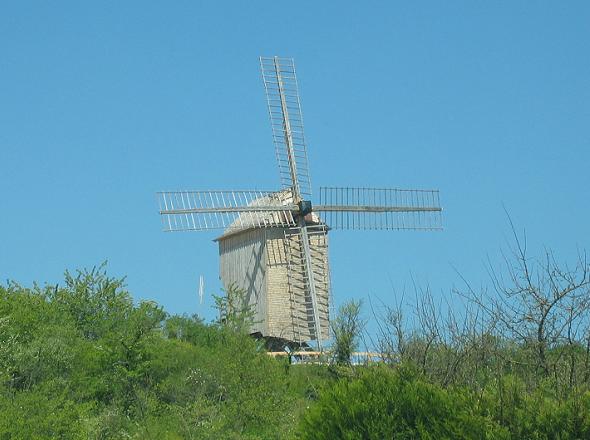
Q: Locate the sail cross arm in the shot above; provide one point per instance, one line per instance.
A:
(232, 209)
(371, 208)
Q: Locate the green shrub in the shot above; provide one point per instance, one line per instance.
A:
(386, 403)
(537, 414)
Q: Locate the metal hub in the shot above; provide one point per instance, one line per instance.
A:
(304, 207)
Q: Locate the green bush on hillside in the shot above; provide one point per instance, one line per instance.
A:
(395, 403)
(84, 361)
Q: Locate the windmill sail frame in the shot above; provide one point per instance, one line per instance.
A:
(286, 120)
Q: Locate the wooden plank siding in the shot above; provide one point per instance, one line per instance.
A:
(280, 307)
(256, 260)
(242, 263)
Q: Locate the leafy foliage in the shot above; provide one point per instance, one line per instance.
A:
(385, 403)
(347, 327)
(83, 361)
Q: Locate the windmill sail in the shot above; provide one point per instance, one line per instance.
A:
(286, 119)
(309, 312)
(202, 210)
(379, 208)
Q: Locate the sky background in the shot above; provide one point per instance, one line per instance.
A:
(104, 103)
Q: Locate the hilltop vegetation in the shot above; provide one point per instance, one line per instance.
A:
(81, 360)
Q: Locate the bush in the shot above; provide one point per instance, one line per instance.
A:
(85, 361)
(385, 403)
(539, 414)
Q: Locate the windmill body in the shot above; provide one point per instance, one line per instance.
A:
(274, 244)
(263, 263)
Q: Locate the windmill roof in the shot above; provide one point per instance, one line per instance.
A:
(266, 219)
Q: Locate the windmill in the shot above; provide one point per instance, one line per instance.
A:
(274, 245)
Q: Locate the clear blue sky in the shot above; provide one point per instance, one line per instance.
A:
(104, 103)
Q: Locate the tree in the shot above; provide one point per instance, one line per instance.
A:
(538, 302)
(347, 328)
(234, 311)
